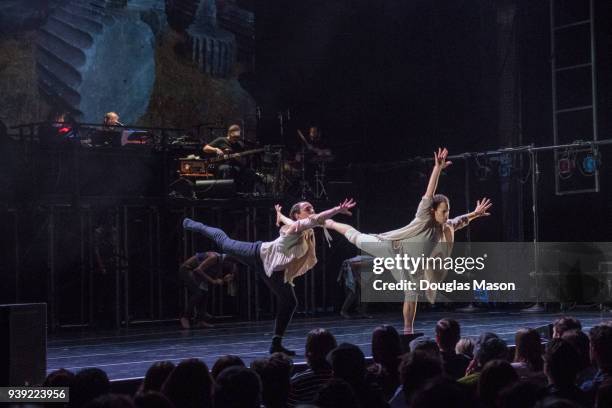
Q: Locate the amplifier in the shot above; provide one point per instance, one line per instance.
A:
(194, 168)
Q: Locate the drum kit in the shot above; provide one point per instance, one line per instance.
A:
(303, 177)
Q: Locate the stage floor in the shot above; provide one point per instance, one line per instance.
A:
(128, 353)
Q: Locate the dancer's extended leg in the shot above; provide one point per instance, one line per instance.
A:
(245, 252)
(409, 311)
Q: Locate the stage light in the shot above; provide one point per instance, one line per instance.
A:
(565, 166)
(589, 164)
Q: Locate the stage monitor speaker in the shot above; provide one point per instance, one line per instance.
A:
(215, 188)
(405, 340)
(23, 344)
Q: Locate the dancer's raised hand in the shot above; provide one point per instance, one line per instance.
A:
(482, 207)
(346, 206)
(440, 159)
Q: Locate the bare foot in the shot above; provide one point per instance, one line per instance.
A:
(185, 323)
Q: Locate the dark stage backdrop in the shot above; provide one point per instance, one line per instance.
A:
(387, 81)
(392, 80)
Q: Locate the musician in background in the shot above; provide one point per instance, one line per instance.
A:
(112, 119)
(314, 144)
(236, 169)
(57, 129)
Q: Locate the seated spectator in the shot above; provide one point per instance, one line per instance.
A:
(223, 362)
(386, 351)
(427, 345)
(561, 365)
(156, 375)
(87, 385)
(416, 368)
(601, 355)
(488, 347)
(237, 387)
(189, 385)
(274, 372)
(111, 401)
(604, 395)
(336, 393)
(528, 352)
(465, 346)
(580, 341)
(306, 385)
(495, 376)
(151, 399)
(442, 392)
(348, 363)
(563, 324)
(59, 378)
(523, 394)
(448, 333)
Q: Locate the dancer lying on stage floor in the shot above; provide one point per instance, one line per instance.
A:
(280, 261)
(431, 232)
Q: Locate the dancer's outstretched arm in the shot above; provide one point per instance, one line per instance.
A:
(481, 210)
(320, 218)
(281, 218)
(440, 164)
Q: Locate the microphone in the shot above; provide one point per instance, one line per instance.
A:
(120, 124)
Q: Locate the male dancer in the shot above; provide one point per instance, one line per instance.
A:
(280, 261)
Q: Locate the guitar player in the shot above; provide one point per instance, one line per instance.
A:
(234, 169)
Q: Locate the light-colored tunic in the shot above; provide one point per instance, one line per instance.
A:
(294, 250)
(422, 237)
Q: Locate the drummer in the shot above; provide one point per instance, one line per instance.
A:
(316, 150)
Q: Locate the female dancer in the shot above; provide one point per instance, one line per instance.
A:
(430, 231)
(280, 261)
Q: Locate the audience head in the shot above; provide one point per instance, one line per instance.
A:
(151, 399)
(59, 378)
(319, 342)
(561, 362)
(348, 363)
(224, 362)
(442, 392)
(416, 368)
(524, 394)
(580, 341)
(425, 344)
(492, 348)
(495, 376)
(275, 373)
(448, 333)
(111, 401)
(189, 385)
(238, 387)
(601, 346)
(529, 348)
(563, 324)
(87, 385)
(465, 346)
(604, 395)
(336, 393)
(386, 347)
(156, 375)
